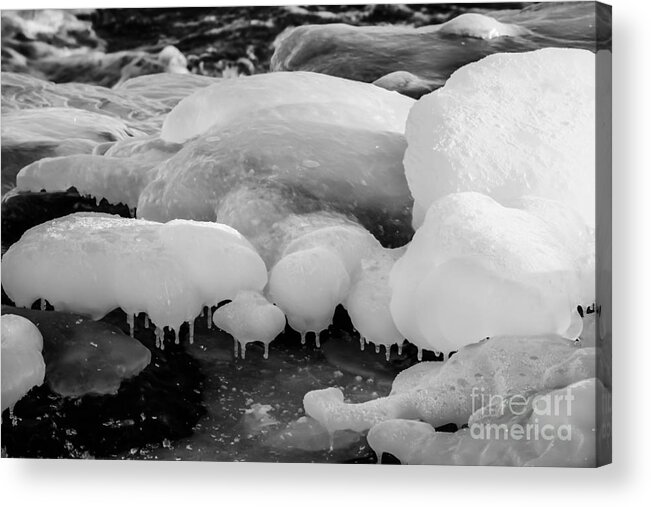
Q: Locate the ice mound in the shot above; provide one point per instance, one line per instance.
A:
(450, 392)
(250, 318)
(83, 356)
(92, 263)
(261, 168)
(433, 53)
(476, 269)
(32, 134)
(118, 180)
(406, 83)
(167, 88)
(22, 362)
(507, 126)
(557, 428)
(223, 102)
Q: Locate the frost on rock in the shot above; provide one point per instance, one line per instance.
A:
(83, 356)
(507, 126)
(557, 428)
(262, 168)
(477, 269)
(22, 361)
(219, 104)
(450, 392)
(250, 318)
(92, 263)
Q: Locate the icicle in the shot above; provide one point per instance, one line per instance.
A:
(400, 349)
(43, 304)
(332, 440)
(377, 349)
(317, 340)
(243, 350)
(176, 333)
(160, 337)
(209, 317)
(266, 351)
(362, 343)
(303, 338)
(388, 351)
(130, 322)
(420, 354)
(235, 347)
(191, 331)
(146, 321)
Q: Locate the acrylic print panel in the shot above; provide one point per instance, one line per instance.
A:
(342, 234)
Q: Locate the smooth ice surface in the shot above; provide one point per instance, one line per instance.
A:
(557, 428)
(476, 269)
(250, 318)
(259, 169)
(92, 263)
(83, 356)
(22, 362)
(221, 103)
(449, 392)
(507, 126)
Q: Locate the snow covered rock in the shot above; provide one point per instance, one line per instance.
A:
(229, 99)
(92, 263)
(510, 125)
(22, 361)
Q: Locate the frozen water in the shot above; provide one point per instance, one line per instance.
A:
(167, 88)
(22, 362)
(449, 392)
(537, 435)
(476, 268)
(223, 102)
(507, 126)
(83, 356)
(92, 263)
(250, 318)
(478, 26)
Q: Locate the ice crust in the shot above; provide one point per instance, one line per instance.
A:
(221, 103)
(441, 393)
(92, 263)
(571, 432)
(478, 269)
(508, 126)
(22, 361)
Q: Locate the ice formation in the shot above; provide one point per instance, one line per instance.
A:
(557, 428)
(92, 263)
(476, 269)
(83, 356)
(250, 318)
(441, 393)
(22, 362)
(167, 88)
(261, 168)
(432, 53)
(221, 103)
(507, 126)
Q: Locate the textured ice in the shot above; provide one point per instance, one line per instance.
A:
(83, 356)
(32, 134)
(167, 88)
(22, 362)
(476, 268)
(507, 126)
(221, 103)
(261, 168)
(538, 435)
(250, 318)
(92, 263)
(443, 393)
(433, 53)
